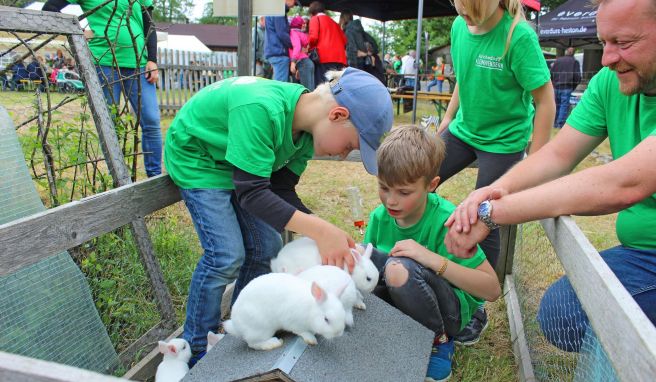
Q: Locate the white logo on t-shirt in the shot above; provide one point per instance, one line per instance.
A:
(489, 62)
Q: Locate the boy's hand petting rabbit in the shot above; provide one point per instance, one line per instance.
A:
(303, 253)
(278, 301)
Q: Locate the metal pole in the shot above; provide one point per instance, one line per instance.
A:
(255, 43)
(384, 44)
(420, 16)
(245, 18)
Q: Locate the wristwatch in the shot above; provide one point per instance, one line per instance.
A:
(485, 214)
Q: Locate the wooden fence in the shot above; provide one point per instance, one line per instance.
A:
(183, 73)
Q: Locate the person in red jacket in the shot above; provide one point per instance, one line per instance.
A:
(328, 39)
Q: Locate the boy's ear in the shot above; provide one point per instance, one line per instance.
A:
(433, 184)
(338, 114)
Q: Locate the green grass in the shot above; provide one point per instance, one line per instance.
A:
(125, 303)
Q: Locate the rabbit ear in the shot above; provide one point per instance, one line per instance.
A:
(172, 349)
(368, 251)
(318, 293)
(356, 255)
(162, 347)
(213, 338)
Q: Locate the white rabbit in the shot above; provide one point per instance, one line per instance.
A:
(303, 253)
(335, 280)
(174, 364)
(213, 339)
(279, 301)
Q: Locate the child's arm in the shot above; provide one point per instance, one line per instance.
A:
(480, 282)
(545, 113)
(451, 110)
(333, 243)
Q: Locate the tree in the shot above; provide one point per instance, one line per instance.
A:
(172, 10)
(548, 5)
(401, 36)
(208, 17)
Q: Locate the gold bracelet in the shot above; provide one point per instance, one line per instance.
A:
(442, 269)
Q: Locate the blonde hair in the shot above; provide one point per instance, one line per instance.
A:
(408, 154)
(475, 9)
(323, 90)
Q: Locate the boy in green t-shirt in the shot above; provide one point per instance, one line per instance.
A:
(422, 278)
(237, 150)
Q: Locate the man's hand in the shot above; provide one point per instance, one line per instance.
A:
(413, 250)
(152, 74)
(462, 244)
(292, 67)
(466, 213)
(334, 247)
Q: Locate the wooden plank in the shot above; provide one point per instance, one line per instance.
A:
(31, 21)
(30, 239)
(616, 318)
(245, 37)
(147, 367)
(504, 263)
(517, 334)
(423, 97)
(18, 368)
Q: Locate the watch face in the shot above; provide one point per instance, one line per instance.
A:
(484, 209)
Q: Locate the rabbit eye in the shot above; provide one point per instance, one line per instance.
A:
(368, 278)
(327, 320)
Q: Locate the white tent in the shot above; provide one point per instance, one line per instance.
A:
(71, 9)
(180, 42)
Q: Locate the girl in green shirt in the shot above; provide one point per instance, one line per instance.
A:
(500, 72)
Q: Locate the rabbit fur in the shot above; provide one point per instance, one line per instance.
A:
(279, 301)
(303, 253)
(213, 339)
(335, 280)
(174, 363)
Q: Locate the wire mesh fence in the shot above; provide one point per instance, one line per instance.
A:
(535, 268)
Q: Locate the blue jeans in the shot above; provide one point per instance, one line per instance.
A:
(561, 316)
(409, 82)
(562, 105)
(122, 81)
(305, 69)
(437, 83)
(230, 237)
(280, 66)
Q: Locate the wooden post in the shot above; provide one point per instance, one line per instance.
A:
(245, 16)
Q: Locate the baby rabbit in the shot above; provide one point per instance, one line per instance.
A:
(174, 364)
(279, 301)
(334, 280)
(213, 339)
(303, 253)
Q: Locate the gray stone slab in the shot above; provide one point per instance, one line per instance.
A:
(384, 345)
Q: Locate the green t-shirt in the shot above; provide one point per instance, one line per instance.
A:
(383, 233)
(496, 110)
(243, 122)
(626, 121)
(113, 17)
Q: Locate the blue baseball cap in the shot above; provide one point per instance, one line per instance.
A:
(370, 108)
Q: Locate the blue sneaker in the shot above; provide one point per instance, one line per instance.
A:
(195, 357)
(439, 365)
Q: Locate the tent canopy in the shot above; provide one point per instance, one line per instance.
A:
(571, 24)
(385, 10)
